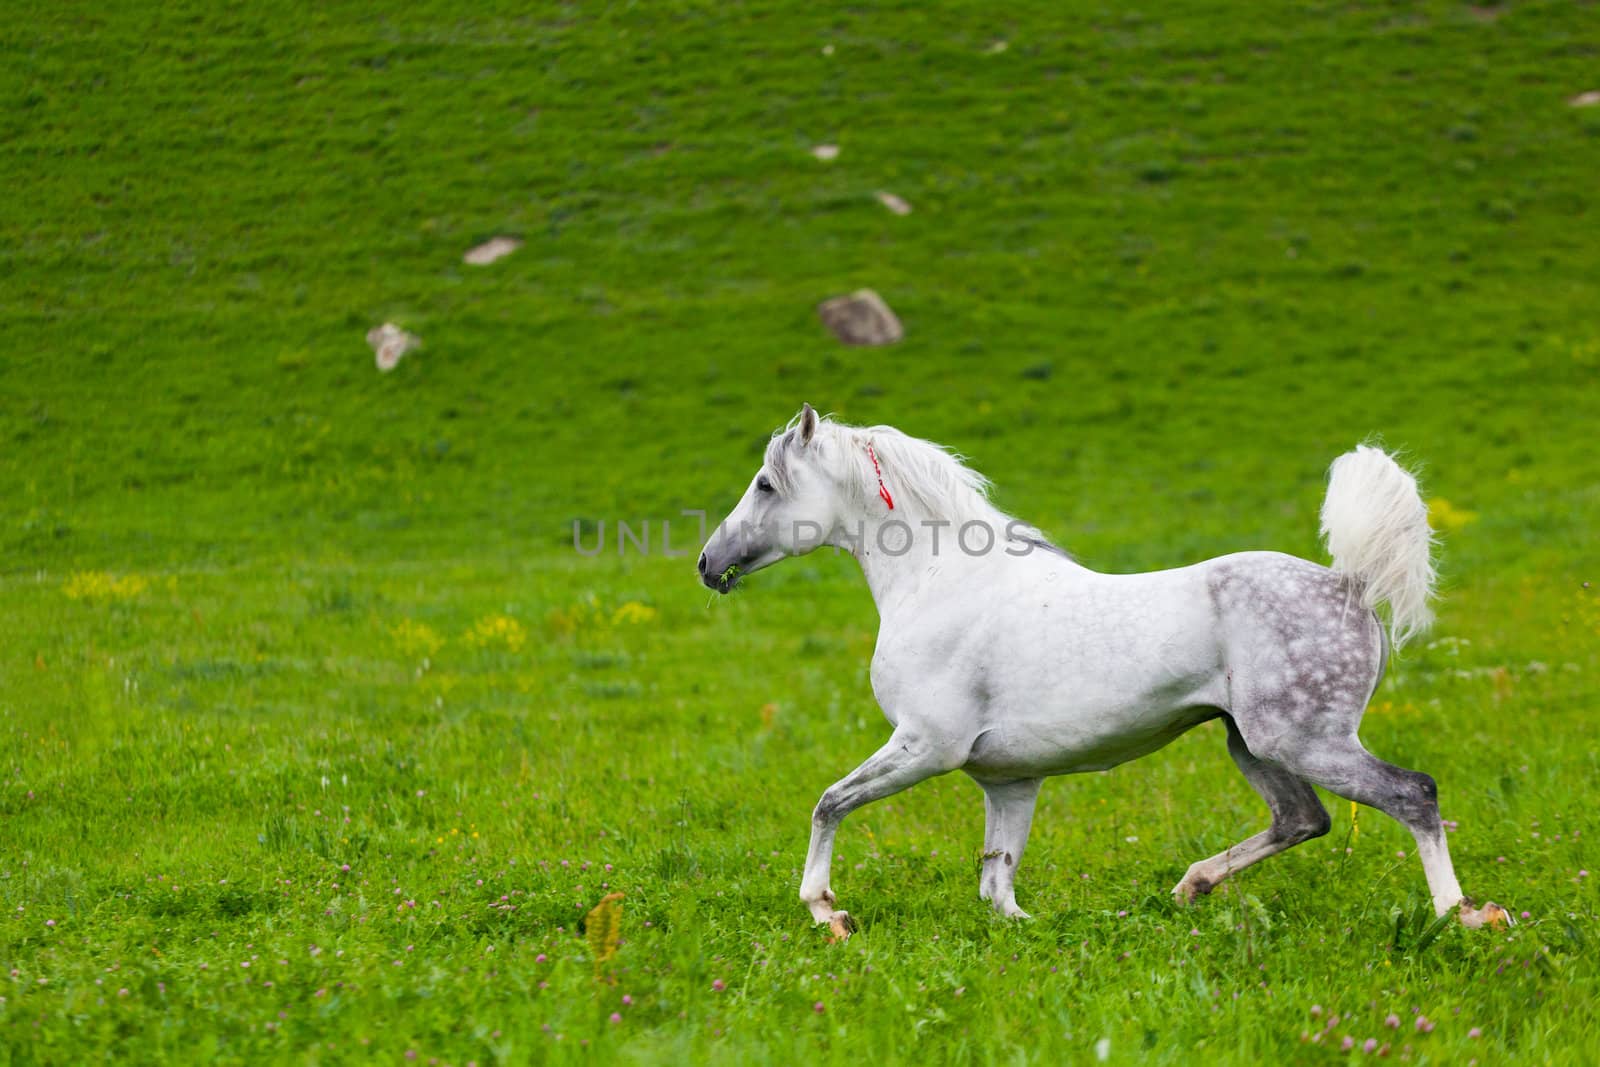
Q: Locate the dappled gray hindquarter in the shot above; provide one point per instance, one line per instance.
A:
(1303, 654)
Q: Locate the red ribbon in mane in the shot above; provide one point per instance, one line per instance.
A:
(883, 490)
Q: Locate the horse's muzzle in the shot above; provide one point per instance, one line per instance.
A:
(722, 581)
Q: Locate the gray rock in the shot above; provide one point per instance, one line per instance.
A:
(893, 203)
(492, 249)
(389, 342)
(862, 318)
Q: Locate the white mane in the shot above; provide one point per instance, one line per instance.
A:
(926, 480)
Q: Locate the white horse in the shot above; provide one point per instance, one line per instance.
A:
(1000, 656)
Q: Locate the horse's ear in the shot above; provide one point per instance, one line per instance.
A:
(808, 424)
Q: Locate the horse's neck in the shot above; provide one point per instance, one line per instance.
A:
(894, 578)
(934, 557)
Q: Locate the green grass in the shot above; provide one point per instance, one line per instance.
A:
(288, 647)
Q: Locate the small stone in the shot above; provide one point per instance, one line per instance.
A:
(996, 48)
(862, 318)
(1588, 99)
(492, 249)
(826, 152)
(893, 203)
(389, 342)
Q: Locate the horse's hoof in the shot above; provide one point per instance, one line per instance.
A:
(841, 926)
(1491, 915)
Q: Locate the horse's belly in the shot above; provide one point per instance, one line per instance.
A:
(1029, 748)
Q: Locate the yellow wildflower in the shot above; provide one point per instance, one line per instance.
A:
(497, 630)
(415, 640)
(1445, 516)
(100, 585)
(633, 612)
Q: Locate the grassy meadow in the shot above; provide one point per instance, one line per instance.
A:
(318, 739)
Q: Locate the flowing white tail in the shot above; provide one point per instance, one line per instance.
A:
(1376, 528)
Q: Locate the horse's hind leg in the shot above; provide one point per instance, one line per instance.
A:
(1342, 766)
(1297, 815)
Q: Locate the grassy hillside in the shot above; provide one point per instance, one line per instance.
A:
(299, 669)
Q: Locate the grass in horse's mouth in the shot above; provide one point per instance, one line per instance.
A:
(725, 584)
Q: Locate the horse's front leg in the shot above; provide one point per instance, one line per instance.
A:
(1008, 811)
(908, 758)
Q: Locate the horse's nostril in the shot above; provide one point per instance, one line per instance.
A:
(702, 564)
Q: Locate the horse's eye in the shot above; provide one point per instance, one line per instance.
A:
(763, 485)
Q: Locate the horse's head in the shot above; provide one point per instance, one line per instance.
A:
(788, 509)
